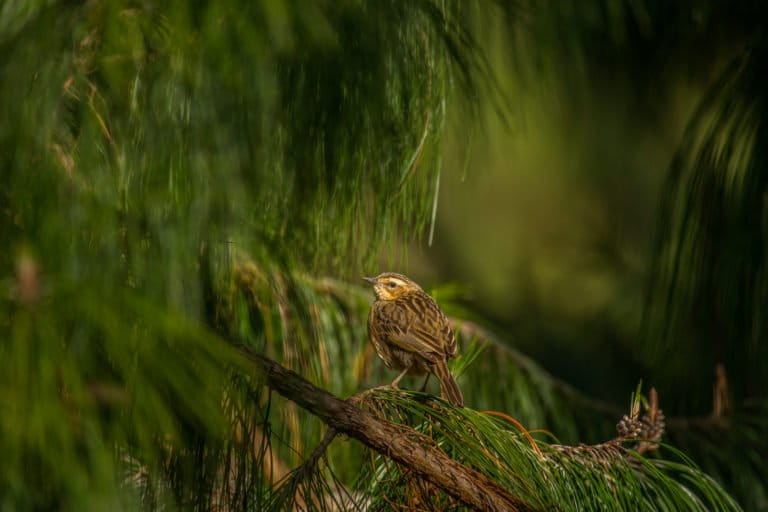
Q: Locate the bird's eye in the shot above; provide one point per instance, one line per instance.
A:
(392, 284)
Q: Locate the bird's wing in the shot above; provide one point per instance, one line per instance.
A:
(411, 343)
(417, 325)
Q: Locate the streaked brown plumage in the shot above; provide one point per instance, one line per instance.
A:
(411, 333)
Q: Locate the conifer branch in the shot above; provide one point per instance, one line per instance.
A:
(400, 443)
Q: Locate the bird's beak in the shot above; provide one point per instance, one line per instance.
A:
(371, 280)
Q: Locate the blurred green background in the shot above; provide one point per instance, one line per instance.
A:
(547, 213)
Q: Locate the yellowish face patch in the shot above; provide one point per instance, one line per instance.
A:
(390, 285)
(390, 288)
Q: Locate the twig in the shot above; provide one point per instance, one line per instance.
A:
(319, 451)
(296, 478)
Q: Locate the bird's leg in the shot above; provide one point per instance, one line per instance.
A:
(424, 387)
(402, 374)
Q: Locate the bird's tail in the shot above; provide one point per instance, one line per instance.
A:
(448, 387)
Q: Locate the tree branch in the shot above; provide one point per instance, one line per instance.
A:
(400, 443)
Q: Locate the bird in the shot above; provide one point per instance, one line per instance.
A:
(411, 333)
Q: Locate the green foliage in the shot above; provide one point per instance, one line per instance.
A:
(142, 144)
(712, 280)
(134, 107)
(608, 476)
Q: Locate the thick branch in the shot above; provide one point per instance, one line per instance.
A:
(398, 442)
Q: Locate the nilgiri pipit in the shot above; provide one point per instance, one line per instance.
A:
(411, 333)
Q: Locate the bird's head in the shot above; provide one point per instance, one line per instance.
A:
(390, 286)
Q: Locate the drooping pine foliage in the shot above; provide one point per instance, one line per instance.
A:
(711, 288)
(607, 476)
(142, 145)
(703, 329)
(176, 175)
